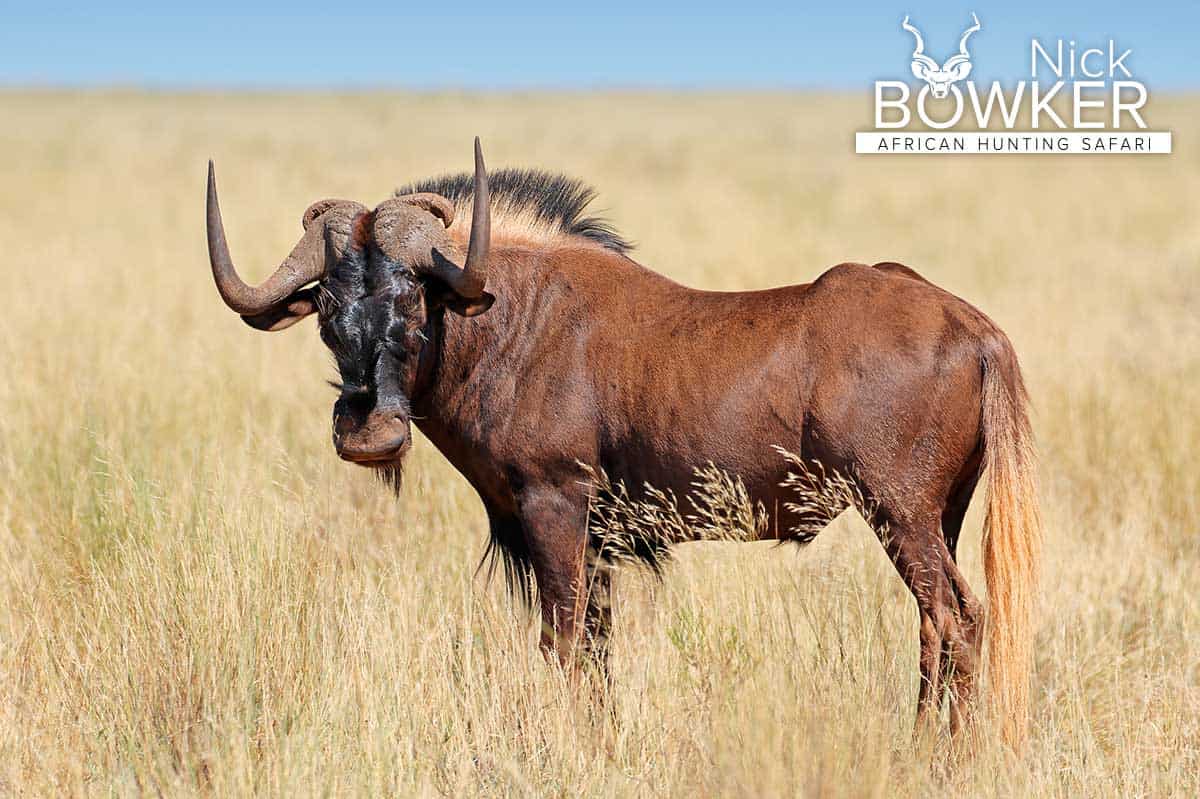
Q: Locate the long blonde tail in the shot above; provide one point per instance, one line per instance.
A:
(1012, 544)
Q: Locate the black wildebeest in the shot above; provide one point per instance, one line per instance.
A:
(533, 343)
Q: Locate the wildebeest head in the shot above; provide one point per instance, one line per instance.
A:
(372, 278)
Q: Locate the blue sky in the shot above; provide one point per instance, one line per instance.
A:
(511, 45)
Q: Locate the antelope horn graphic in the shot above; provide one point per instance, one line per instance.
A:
(916, 35)
(918, 55)
(962, 45)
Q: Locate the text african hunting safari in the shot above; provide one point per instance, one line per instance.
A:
(529, 343)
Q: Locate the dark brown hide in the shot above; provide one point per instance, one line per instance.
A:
(588, 357)
(584, 356)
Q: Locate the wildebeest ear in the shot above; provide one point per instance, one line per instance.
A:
(465, 307)
(287, 313)
(438, 294)
(316, 209)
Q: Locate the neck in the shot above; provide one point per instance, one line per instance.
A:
(464, 388)
(430, 357)
(451, 377)
(477, 373)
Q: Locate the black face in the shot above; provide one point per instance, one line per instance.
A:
(372, 313)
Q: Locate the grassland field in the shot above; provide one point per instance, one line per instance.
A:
(198, 598)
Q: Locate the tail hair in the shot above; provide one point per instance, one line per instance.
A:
(1012, 543)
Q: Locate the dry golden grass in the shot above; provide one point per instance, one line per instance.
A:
(197, 597)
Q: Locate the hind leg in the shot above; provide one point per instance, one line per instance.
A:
(919, 554)
(956, 508)
(962, 663)
(961, 656)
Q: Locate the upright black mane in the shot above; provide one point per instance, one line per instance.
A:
(554, 200)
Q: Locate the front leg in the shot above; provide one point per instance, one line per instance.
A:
(572, 592)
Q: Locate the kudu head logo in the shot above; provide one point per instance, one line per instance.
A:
(957, 66)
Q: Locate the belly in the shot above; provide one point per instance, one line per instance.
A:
(715, 474)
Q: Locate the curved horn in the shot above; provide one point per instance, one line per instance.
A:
(916, 35)
(474, 274)
(962, 45)
(304, 264)
(469, 281)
